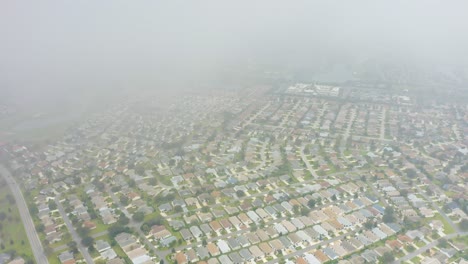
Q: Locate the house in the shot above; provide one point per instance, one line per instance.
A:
(321, 256)
(295, 239)
(233, 243)
(243, 241)
(288, 225)
(236, 258)
(205, 228)
(262, 213)
(285, 241)
(276, 245)
(304, 236)
(330, 253)
(312, 233)
(320, 230)
(224, 259)
(262, 235)
(253, 238)
(246, 255)
(66, 258)
(186, 234)
(202, 252)
(223, 246)
(126, 241)
(265, 248)
(166, 242)
(306, 221)
(102, 245)
(159, 232)
(215, 226)
(235, 222)
(394, 244)
(280, 229)
(212, 249)
(138, 255)
(255, 218)
(191, 255)
(379, 233)
(311, 259)
(344, 222)
(256, 252)
(244, 219)
(297, 223)
(196, 232)
(225, 224)
(347, 246)
(181, 258)
(338, 249)
(271, 231)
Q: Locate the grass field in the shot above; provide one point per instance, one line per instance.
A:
(12, 234)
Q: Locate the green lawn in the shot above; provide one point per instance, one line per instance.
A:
(100, 227)
(12, 234)
(447, 227)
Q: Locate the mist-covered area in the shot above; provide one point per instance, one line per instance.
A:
(63, 59)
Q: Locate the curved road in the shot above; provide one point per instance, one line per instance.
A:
(28, 223)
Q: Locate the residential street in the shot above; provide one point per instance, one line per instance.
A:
(426, 247)
(71, 229)
(309, 248)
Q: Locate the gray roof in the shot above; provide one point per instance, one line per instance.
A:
(202, 252)
(245, 254)
(236, 258)
(225, 260)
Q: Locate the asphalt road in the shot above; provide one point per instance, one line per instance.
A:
(308, 165)
(71, 229)
(426, 247)
(28, 223)
(309, 248)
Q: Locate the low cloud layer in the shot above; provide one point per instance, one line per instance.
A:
(51, 49)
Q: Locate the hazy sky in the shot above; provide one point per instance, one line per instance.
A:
(55, 48)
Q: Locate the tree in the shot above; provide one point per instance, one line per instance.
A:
(124, 200)
(2, 216)
(40, 227)
(87, 241)
(138, 216)
(140, 170)
(52, 205)
(464, 224)
(389, 215)
(296, 209)
(116, 229)
(82, 231)
(387, 257)
(240, 193)
(311, 203)
(411, 173)
(73, 247)
(443, 243)
(305, 211)
(123, 219)
(131, 183)
(115, 189)
(153, 181)
(369, 224)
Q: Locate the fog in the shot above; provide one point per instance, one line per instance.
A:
(67, 51)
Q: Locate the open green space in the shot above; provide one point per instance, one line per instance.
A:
(13, 237)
